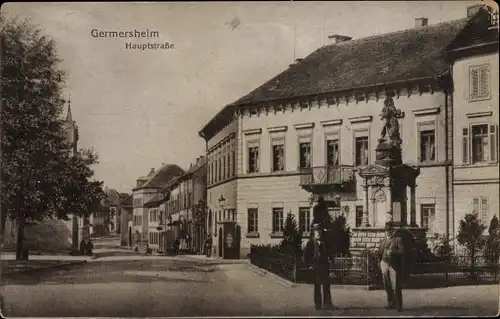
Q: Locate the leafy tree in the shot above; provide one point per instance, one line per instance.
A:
(292, 241)
(39, 176)
(492, 247)
(441, 247)
(470, 235)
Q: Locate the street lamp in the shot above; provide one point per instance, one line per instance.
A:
(222, 201)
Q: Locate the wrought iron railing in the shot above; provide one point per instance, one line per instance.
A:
(365, 270)
(325, 175)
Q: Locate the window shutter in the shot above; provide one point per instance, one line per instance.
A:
(475, 205)
(484, 210)
(465, 145)
(493, 143)
(484, 89)
(474, 90)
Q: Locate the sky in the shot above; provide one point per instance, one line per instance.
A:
(141, 108)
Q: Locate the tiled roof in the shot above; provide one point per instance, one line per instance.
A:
(156, 199)
(162, 176)
(127, 201)
(387, 58)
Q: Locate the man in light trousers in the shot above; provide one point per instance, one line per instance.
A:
(391, 264)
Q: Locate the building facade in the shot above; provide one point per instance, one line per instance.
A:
(475, 117)
(319, 120)
(147, 188)
(126, 221)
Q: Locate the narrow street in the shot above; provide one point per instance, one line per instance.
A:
(166, 287)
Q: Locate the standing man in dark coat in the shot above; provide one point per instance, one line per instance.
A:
(316, 256)
(208, 245)
(391, 255)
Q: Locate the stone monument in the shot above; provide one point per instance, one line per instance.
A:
(385, 185)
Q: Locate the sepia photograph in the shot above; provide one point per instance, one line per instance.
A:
(249, 159)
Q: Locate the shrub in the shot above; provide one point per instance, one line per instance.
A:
(292, 242)
(441, 248)
(492, 246)
(470, 235)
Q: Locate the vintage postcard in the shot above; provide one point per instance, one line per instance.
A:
(249, 159)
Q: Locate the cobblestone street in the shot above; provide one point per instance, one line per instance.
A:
(153, 287)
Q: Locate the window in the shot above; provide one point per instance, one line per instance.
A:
(253, 220)
(332, 152)
(277, 220)
(305, 155)
(211, 173)
(253, 159)
(479, 144)
(233, 162)
(479, 82)
(480, 206)
(359, 215)
(137, 202)
(427, 215)
(427, 145)
(153, 215)
(304, 219)
(361, 150)
(219, 174)
(224, 171)
(278, 158)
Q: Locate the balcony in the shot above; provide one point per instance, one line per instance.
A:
(327, 176)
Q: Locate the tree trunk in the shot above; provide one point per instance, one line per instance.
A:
(3, 221)
(20, 237)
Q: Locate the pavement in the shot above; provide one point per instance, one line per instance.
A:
(192, 286)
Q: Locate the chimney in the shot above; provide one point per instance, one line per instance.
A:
(421, 22)
(337, 38)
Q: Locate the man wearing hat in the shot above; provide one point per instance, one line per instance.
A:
(391, 253)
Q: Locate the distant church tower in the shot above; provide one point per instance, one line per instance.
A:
(71, 130)
(77, 225)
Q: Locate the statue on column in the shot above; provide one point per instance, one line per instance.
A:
(388, 151)
(390, 130)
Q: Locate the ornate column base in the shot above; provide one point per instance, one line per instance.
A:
(365, 222)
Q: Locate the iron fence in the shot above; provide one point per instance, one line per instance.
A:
(365, 270)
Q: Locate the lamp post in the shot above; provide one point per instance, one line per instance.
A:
(222, 203)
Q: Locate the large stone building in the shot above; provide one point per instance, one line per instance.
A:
(318, 122)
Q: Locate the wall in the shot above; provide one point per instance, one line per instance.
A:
(481, 179)
(264, 188)
(125, 218)
(144, 195)
(417, 108)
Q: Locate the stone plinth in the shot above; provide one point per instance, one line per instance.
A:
(363, 238)
(388, 154)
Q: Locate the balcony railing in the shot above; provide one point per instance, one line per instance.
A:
(327, 175)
